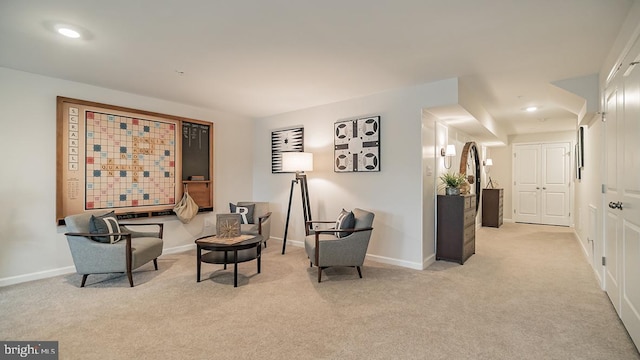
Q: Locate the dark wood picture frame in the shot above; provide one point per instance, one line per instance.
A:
(72, 160)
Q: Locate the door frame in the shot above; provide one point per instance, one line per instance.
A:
(571, 188)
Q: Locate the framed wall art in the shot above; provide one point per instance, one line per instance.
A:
(580, 148)
(128, 160)
(357, 145)
(286, 140)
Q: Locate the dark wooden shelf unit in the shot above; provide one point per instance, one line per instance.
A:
(200, 192)
(456, 239)
(492, 210)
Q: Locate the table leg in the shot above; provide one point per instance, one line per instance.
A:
(199, 263)
(235, 268)
(259, 257)
(225, 260)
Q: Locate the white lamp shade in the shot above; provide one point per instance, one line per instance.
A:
(451, 150)
(297, 161)
(488, 162)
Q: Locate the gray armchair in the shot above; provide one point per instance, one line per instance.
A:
(262, 220)
(93, 257)
(325, 249)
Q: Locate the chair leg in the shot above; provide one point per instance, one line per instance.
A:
(359, 272)
(319, 273)
(129, 255)
(84, 279)
(155, 263)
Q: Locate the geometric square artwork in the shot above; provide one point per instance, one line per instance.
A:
(130, 162)
(357, 145)
(287, 140)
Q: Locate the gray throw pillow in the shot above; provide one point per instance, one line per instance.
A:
(346, 220)
(245, 210)
(105, 224)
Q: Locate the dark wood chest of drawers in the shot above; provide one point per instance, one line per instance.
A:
(492, 207)
(456, 239)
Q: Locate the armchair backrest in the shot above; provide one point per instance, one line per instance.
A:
(364, 218)
(79, 223)
(260, 209)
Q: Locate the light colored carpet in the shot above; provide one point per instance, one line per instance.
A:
(527, 293)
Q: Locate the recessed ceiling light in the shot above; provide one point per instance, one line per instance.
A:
(531, 108)
(68, 32)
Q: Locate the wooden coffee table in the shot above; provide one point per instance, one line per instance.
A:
(220, 252)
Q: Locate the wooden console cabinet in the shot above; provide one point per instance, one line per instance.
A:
(492, 207)
(456, 239)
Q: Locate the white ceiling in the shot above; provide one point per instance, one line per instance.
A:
(265, 57)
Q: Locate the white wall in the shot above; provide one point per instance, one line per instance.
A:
(589, 196)
(394, 193)
(434, 134)
(31, 245)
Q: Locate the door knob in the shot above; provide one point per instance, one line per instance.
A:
(544, 188)
(537, 188)
(615, 205)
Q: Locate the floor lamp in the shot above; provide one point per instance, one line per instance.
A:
(298, 162)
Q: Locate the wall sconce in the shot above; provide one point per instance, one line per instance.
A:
(449, 152)
(487, 163)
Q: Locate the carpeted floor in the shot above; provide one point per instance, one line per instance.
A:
(527, 293)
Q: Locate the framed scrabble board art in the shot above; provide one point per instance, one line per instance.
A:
(127, 160)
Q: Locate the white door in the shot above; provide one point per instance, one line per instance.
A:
(612, 221)
(556, 183)
(542, 183)
(622, 197)
(527, 183)
(630, 207)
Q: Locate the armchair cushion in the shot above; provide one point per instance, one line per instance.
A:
(346, 220)
(105, 224)
(245, 210)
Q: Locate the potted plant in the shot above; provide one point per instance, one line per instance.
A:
(452, 182)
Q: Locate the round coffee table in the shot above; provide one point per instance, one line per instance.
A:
(221, 253)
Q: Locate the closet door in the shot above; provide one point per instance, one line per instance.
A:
(630, 203)
(542, 183)
(612, 217)
(527, 183)
(555, 184)
(622, 197)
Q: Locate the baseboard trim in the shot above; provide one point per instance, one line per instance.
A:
(178, 249)
(381, 259)
(18, 279)
(396, 262)
(430, 260)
